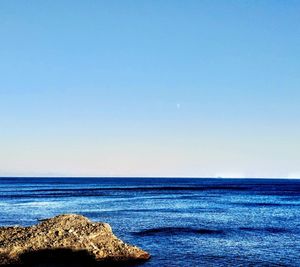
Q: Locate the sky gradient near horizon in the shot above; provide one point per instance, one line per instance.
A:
(150, 88)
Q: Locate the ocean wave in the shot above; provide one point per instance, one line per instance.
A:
(263, 204)
(31, 204)
(177, 231)
(273, 230)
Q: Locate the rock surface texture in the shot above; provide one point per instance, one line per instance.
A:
(65, 234)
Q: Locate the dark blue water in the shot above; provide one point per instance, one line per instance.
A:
(181, 222)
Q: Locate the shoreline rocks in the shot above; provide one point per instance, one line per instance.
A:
(62, 239)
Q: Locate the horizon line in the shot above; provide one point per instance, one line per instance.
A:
(147, 177)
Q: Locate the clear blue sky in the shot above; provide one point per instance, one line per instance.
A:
(150, 88)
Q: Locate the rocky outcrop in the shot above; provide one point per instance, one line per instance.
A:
(65, 237)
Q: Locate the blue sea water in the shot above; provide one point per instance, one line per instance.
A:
(181, 222)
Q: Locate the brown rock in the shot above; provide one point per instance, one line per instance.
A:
(66, 236)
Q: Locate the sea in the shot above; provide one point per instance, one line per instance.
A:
(180, 221)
